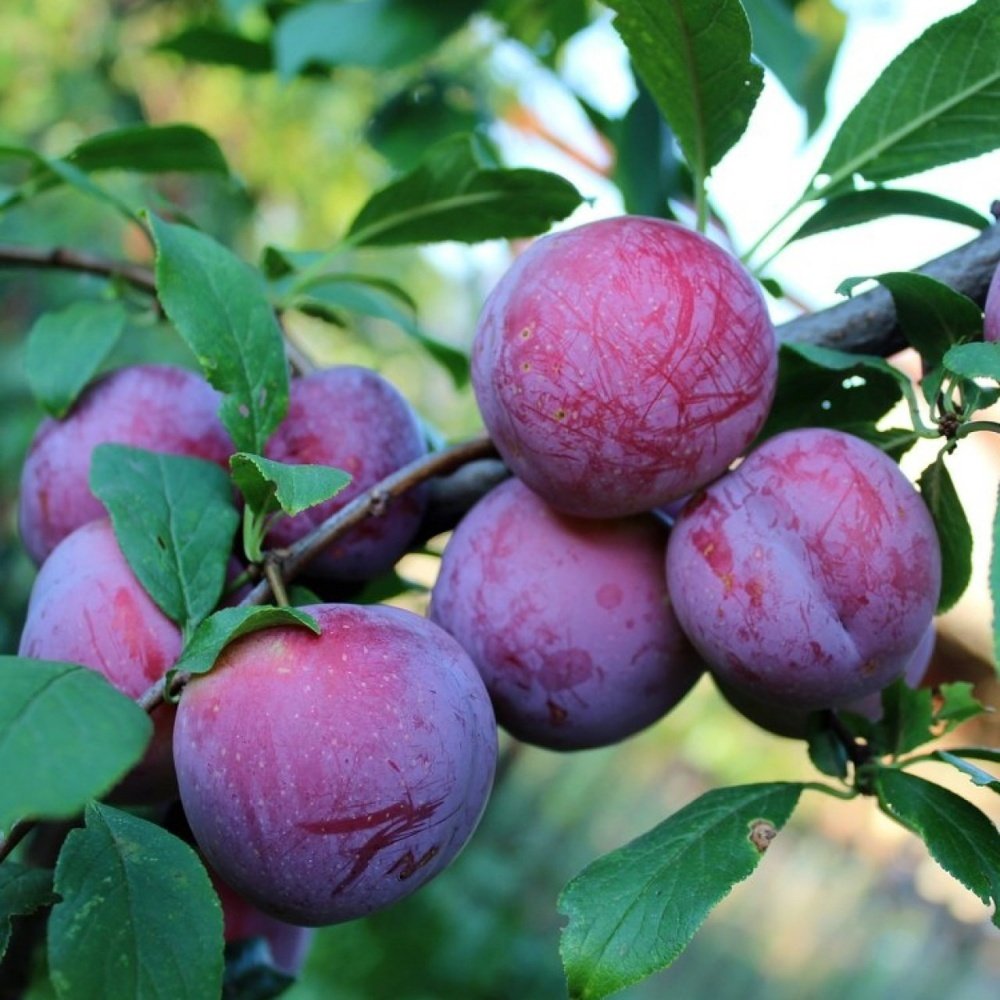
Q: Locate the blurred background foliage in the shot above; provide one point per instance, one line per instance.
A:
(312, 121)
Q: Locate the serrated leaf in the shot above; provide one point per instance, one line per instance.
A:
(852, 208)
(937, 102)
(978, 776)
(218, 46)
(820, 387)
(458, 193)
(66, 736)
(221, 628)
(633, 911)
(959, 837)
(694, 56)
(151, 149)
(268, 486)
(931, 315)
(174, 521)
(907, 717)
(138, 916)
(953, 531)
(23, 890)
(958, 703)
(219, 306)
(65, 349)
(379, 34)
(979, 360)
(374, 297)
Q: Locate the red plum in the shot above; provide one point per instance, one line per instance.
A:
(87, 607)
(354, 419)
(807, 576)
(325, 777)
(622, 364)
(157, 407)
(567, 619)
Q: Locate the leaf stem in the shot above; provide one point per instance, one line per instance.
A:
(838, 793)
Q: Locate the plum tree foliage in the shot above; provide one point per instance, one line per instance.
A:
(216, 732)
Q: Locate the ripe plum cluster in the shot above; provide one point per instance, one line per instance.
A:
(623, 369)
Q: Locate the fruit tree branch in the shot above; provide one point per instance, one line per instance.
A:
(866, 324)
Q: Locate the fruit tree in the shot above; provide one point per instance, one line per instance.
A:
(447, 539)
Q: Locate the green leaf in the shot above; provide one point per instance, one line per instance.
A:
(371, 296)
(907, 717)
(826, 750)
(457, 193)
(219, 306)
(855, 207)
(218, 46)
(174, 520)
(694, 56)
(151, 149)
(979, 360)
(978, 776)
(633, 911)
(936, 103)
(22, 891)
(931, 315)
(220, 629)
(65, 349)
(820, 387)
(959, 837)
(268, 486)
(953, 530)
(380, 34)
(138, 917)
(958, 703)
(66, 736)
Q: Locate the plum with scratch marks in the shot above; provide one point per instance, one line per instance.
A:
(568, 619)
(327, 776)
(623, 364)
(808, 576)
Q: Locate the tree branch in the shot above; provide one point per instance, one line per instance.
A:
(866, 324)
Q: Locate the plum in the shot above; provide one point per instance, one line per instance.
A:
(325, 777)
(807, 576)
(783, 721)
(158, 407)
(991, 322)
(567, 619)
(288, 944)
(354, 419)
(623, 364)
(87, 607)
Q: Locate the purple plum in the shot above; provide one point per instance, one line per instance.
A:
(807, 576)
(567, 619)
(351, 418)
(157, 407)
(325, 777)
(623, 364)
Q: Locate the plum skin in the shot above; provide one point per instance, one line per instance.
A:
(87, 607)
(991, 321)
(807, 576)
(622, 364)
(158, 407)
(567, 619)
(325, 777)
(794, 724)
(353, 419)
(242, 921)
